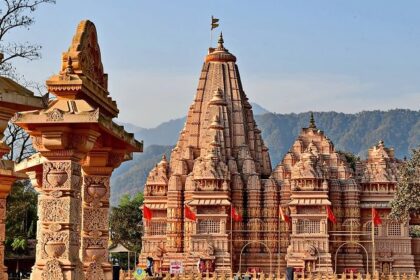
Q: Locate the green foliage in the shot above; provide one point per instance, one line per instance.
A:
(19, 244)
(350, 158)
(407, 197)
(125, 222)
(415, 231)
(21, 217)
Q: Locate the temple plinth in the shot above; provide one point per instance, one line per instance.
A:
(13, 98)
(80, 146)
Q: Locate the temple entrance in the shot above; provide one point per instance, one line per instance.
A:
(351, 242)
(255, 242)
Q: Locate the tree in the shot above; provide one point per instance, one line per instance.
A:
(21, 217)
(125, 222)
(16, 14)
(407, 198)
(350, 158)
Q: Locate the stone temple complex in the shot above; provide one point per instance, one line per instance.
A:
(217, 202)
(221, 167)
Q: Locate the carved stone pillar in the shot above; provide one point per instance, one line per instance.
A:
(95, 226)
(58, 234)
(95, 221)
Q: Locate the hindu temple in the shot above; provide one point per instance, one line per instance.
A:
(220, 170)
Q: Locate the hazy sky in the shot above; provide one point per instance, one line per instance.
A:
(293, 56)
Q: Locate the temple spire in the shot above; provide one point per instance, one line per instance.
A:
(220, 41)
(312, 121)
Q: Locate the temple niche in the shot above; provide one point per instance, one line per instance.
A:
(78, 148)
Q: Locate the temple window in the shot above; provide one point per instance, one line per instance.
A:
(308, 226)
(157, 228)
(369, 228)
(394, 229)
(208, 226)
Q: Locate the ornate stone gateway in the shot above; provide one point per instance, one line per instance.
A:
(79, 146)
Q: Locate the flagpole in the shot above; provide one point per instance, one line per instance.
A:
(211, 31)
(211, 36)
(231, 239)
(279, 223)
(373, 245)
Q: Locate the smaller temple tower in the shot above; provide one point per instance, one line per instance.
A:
(378, 176)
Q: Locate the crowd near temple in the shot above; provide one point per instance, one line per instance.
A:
(217, 205)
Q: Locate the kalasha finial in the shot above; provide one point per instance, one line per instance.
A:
(220, 40)
(312, 121)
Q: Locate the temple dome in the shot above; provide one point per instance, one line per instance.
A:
(220, 54)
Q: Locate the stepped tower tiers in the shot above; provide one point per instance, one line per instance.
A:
(378, 179)
(219, 160)
(313, 176)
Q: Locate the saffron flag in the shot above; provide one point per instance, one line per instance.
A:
(235, 215)
(375, 217)
(214, 22)
(284, 217)
(147, 213)
(189, 214)
(330, 214)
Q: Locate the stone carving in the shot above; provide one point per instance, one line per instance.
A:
(95, 218)
(95, 272)
(56, 174)
(86, 55)
(54, 210)
(310, 250)
(96, 187)
(54, 244)
(52, 271)
(55, 115)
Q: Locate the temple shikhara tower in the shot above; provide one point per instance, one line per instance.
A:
(220, 168)
(219, 159)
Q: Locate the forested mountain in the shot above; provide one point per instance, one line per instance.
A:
(349, 132)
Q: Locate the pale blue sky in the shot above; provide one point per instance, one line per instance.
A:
(294, 56)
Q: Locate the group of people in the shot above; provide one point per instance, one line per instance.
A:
(205, 265)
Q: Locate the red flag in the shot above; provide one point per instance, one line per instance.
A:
(147, 213)
(375, 217)
(330, 214)
(189, 214)
(235, 215)
(284, 217)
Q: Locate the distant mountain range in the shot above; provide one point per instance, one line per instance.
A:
(355, 133)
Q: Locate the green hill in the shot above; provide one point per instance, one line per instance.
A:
(349, 132)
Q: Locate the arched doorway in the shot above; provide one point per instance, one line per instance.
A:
(253, 242)
(351, 242)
